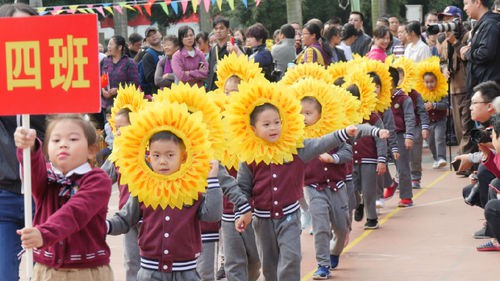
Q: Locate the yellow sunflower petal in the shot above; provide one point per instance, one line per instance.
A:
(240, 66)
(337, 70)
(382, 71)
(197, 100)
(410, 72)
(242, 139)
(431, 65)
(153, 189)
(335, 106)
(129, 97)
(301, 71)
(219, 98)
(366, 88)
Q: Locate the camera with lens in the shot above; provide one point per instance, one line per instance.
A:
(454, 26)
(480, 135)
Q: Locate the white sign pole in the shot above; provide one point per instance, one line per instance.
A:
(28, 222)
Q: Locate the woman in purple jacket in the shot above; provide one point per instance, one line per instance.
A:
(189, 63)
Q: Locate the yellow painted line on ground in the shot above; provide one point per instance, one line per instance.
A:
(365, 233)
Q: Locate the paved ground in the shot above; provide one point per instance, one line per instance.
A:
(430, 241)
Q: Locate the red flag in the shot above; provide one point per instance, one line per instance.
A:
(104, 80)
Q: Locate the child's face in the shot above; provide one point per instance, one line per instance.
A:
(120, 121)
(68, 146)
(231, 86)
(430, 82)
(377, 89)
(268, 125)
(310, 112)
(166, 156)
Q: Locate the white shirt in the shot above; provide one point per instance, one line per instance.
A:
(418, 52)
(347, 50)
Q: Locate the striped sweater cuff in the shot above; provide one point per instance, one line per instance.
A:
(408, 136)
(381, 159)
(374, 132)
(213, 183)
(343, 135)
(336, 158)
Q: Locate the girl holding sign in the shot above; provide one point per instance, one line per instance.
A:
(68, 237)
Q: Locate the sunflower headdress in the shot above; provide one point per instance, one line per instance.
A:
(240, 66)
(337, 70)
(333, 110)
(242, 138)
(128, 96)
(382, 71)
(301, 71)
(431, 65)
(197, 100)
(366, 88)
(410, 72)
(154, 189)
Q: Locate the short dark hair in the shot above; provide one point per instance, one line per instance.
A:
(336, 20)
(135, 37)
(375, 78)
(203, 35)
(414, 26)
(313, 100)
(489, 90)
(168, 136)
(495, 122)
(354, 90)
(288, 31)
(259, 109)
(330, 32)
(395, 76)
(360, 15)
(348, 31)
(258, 31)
(223, 21)
(384, 20)
(173, 39)
(313, 28)
(120, 41)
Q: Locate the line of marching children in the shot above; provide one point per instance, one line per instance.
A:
(285, 138)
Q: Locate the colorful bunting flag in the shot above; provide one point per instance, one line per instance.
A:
(195, 4)
(219, 4)
(164, 7)
(73, 8)
(257, 2)
(231, 4)
(245, 2)
(184, 4)
(118, 9)
(175, 7)
(100, 10)
(206, 3)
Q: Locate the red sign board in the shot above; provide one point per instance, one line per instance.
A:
(49, 64)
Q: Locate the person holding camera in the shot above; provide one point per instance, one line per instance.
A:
(454, 38)
(481, 54)
(481, 111)
(491, 161)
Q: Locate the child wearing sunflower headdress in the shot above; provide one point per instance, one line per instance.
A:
(265, 122)
(433, 86)
(167, 189)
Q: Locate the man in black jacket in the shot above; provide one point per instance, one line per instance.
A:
(481, 55)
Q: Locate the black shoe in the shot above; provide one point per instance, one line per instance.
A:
(359, 212)
(482, 234)
(221, 273)
(371, 224)
(463, 173)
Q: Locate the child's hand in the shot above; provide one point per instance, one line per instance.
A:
(428, 106)
(214, 170)
(408, 144)
(243, 221)
(24, 138)
(396, 155)
(351, 130)
(381, 168)
(485, 149)
(30, 237)
(384, 134)
(326, 158)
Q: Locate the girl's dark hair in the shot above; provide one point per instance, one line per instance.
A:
(414, 26)
(243, 33)
(429, 73)
(120, 41)
(395, 76)
(173, 39)
(203, 35)
(8, 10)
(125, 112)
(316, 30)
(380, 32)
(376, 78)
(167, 136)
(258, 31)
(314, 101)
(331, 32)
(88, 128)
(354, 90)
(339, 82)
(259, 109)
(182, 32)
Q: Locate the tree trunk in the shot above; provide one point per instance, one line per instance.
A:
(204, 18)
(120, 21)
(36, 3)
(294, 11)
(375, 12)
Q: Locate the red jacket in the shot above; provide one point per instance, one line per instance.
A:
(73, 230)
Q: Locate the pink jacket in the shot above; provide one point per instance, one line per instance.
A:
(183, 62)
(377, 54)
